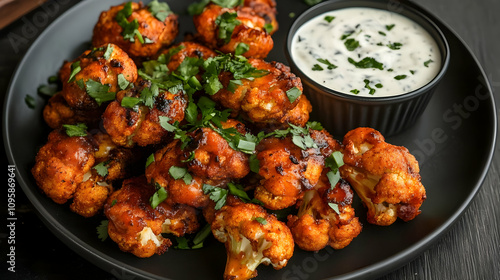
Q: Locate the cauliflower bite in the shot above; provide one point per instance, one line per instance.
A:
(265, 100)
(57, 112)
(287, 170)
(68, 168)
(140, 123)
(207, 159)
(147, 28)
(325, 217)
(209, 155)
(251, 236)
(225, 29)
(137, 228)
(186, 49)
(93, 78)
(265, 9)
(386, 177)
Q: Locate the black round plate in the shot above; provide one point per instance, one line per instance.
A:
(453, 140)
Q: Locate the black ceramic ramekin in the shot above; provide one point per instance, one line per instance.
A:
(340, 112)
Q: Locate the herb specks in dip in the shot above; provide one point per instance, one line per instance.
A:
(366, 52)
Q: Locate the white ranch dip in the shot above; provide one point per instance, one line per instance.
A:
(333, 48)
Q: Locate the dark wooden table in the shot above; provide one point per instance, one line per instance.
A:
(469, 250)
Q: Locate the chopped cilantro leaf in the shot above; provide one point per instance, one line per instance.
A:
(389, 27)
(102, 169)
(217, 195)
(335, 207)
(180, 173)
(241, 48)
(130, 102)
(158, 197)
(79, 129)
(159, 10)
(395, 46)
(30, 101)
(99, 92)
(123, 83)
(366, 62)
(237, 190)
(108, 52)
(328, 63)
(317, 67)
(261, 220)
(254, 163)
(268, 27)
(351, 44)
(102, 230)
(293, 94)
(400, 77)
(130, 29)
(227, 22)
(355, 91)
(329, 18)
(382, 33)
(150, 159)
(426, 64)
(228, 3)
(196, 8)
(75, 69)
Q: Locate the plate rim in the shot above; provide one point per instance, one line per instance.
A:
(105, 261)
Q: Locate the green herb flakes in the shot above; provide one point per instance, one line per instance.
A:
(400, 77)
(159, 10)
(351, 44)
(366, 62)
(426, 64)
(158, 197)
(227, 22)
(329, 18)
(102, 230)
(75, 69)
(79, 129)
(99, 92)
(30, 101)
(261, 220)
(101, 169)
(293, 94)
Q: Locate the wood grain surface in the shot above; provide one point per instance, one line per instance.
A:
(469, 250)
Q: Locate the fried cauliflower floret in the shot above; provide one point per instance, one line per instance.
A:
(209, 155)
(286, 171)
(96, 70)
(61, 165)
(325, 217)
(251, 237)
(137, 228)
(141, 124)
(249, 28)
(57, 112)
(190, 192)
(66, 169)
(385, 176)
(264, 100)
(265, 9)
(184, 50)
(155, 33)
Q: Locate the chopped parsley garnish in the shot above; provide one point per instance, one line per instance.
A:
(183, 243)
(101, 168)
(227, 22)
(261, 220)
(395, 46)
(351, 44)
(217, 195)
(389, 27)
(254, 163)
(346, 34)
(130, 102)
(367, 86)
(426, 64)
(329, 65)
(382, 33)
(75, 69)
(400, 77)
(109, 51)
(102, 230)
(355, 91)
(329, 18)
(158, 197)
(335, 207)
(159, 10)
(293, 94)
(268, 27)
(367, 62)
(180, 173)
(150, 160)
(130, 29)
(123, 83)
(317, 67)
(79, 129)
(241, 48)
(30, 101)
(99, 92)
(196, 8)
(334, 162)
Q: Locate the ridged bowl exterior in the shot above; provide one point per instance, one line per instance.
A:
(340, 112)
